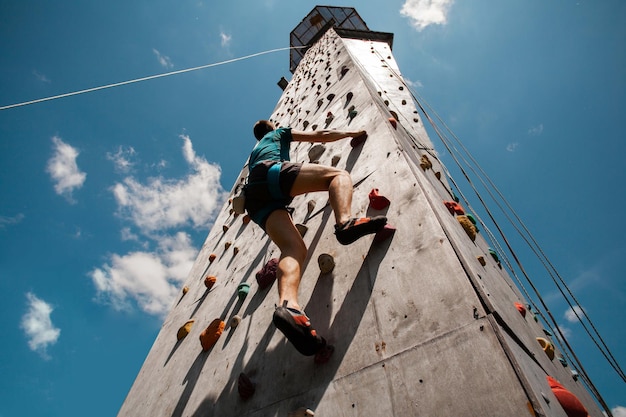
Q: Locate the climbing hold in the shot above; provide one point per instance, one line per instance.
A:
(572, 406)
(547, 347)
(242, 290)
(438, 175)
(235, 250)
(358, 140)
(468, 226)
(314, 127)
(520, 307)
(335, 160)
(225, 228)
(385, 233)
(209, 336)
(227, 244)
(349, 97)
(316, 152)
(329, 118)
(425, 163)
(454, 207)
(302, 229)
(310, 206)
(547, 332)
(481, 260)
(212, 257)
(326, 263)
(301, 412)
(352, 114)
(246, 219)
(494, 255)
(305, 124)
(185, 290)
(184, 329)
(471, 218)
(234, 321)
(377, 201)
(393, 122)
(267, 275)
(330, 97)
(210, 281)
(245, 386)
(563, 361)
(344, 70)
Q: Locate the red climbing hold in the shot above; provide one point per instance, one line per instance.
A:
(454, 208)
(393, 122)
(212, 257)
(377, 201)
(210, 281)
(209, 336)
(358, 140)
(266, 276)
(385, 233)
(245, 386)
(570, 403)
(520, 307)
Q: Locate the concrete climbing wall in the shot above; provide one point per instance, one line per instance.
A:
(423, 323)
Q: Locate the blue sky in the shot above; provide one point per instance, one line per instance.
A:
(108, 196)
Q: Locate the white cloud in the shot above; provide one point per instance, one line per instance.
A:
(512, 147)
(423, 13)
(122, 159)
(619, 411)
(164, 60)
(41, 77)
(63, 169)
(151, 280)
(38, 326)
(570, 314)
(225, 39)
(536, 131)
(162, 204)
(7, 221)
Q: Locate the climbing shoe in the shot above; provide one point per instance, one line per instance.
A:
(296, 327)
(354, 229)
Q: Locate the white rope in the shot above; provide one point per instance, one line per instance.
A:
(151, 77)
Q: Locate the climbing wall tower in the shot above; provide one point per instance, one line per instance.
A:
(425, 323)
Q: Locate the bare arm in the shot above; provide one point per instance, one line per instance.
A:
(324, 135)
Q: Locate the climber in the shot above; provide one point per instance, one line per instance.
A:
(272, 184)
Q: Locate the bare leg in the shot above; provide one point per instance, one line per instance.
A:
(293, 253)
(313, 177)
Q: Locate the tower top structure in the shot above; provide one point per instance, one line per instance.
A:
(344, 20)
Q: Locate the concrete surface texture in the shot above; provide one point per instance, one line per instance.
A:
(420, 326)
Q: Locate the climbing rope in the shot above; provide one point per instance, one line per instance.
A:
(150, 77)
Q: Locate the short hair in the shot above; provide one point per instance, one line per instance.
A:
(262, 128)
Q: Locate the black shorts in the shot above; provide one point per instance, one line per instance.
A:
(259, 201)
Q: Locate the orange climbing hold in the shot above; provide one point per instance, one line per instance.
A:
(377, 201)
(572, 406)
(212, 257)
(520, 307)
(210, 281)
(393, 122)
(210, 335)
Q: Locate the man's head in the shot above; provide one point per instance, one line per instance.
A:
(262, 128)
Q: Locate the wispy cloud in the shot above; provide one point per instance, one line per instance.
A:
(64, 170)
(536, 130)
(423, 13)
(164, 204)
(225, 39)
(572, 314)
(122, 159)
(38, 327)
(164, 60)
(414, 84)
(9, 221)
(41, 77)
(512, 147)
(148, 279)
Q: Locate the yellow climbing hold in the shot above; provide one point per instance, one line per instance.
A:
(425, 163)
(547, 347)
(184, 330)
(469, 227)
(185, 290)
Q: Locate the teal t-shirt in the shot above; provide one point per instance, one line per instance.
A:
(274, 146)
